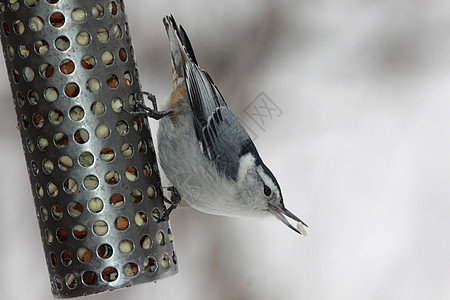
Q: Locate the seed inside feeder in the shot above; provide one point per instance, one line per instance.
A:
(122, 127)
(70, 186)
(117, 105)
(130, 269)
(52, 190)
(14, 5)
(100, 228)
(57, 212)
(89, 278)
(146, 242)
(41, 47)
(23, 51)
(147, 170)
(36, 24)
(79, 232)
(116, 200)
(61, 234)
(88, 62)
(126, 246)
(136, 196)
(84, 254)
(66, 258)
(56, 117)
(51, 94)
(53, 259)
(170, 235)
(46, 70)
(107, 154)
(126, 150)
(61, 139)
(165, 261)
(81, 136)
(65, 163)
(33, 97)
(131, 173)
(93, 85)
(140, 218)
(19, 27)
(122, 54)
(113, 8)
(109, 274)
(67, 66)
(142, 147)
(107, 58)
(48, 236)
(156, 216)
(75, 209)
(44, 214)
(86, 159)
(98, 108)
(32, 3)
(102, 35)
(28, 74)
(30, 145)
(151, 192)
(59, 284)
(112, 81)
(112, 177)
(39, 190)
(62, 43)
(12, 52)
(76, 113)
(127, 78)
(78, 15)
(102, 131)
(136, 124)
(122, 223)
(38, 120)
(71, 281)
(91, 182)
(160, 238)
(97, 11)
(105, 251)
(83, 38)
(42, 143)
(95, 205)
(117, 31)
(57, 19)
(150, 265)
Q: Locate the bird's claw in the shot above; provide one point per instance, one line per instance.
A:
(174, 201)
(143, 110)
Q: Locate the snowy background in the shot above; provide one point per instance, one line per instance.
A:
(361, 150)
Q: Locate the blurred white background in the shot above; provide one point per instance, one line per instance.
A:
(361, 151)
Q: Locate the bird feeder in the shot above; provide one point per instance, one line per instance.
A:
(92, 166)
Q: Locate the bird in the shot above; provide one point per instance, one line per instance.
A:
(204, 150)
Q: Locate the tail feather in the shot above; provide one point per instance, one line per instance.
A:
(181, 48)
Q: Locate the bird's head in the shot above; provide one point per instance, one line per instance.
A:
(262, 192)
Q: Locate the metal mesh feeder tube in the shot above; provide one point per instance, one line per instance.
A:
(92, 166)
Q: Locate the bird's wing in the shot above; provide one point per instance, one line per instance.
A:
(222, 137)
(204, 96)
(224, 140)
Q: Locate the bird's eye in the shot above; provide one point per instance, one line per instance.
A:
(267, 191)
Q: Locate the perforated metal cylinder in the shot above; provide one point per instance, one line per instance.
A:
(92, 166)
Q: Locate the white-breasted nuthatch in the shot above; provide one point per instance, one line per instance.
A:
(205, 151)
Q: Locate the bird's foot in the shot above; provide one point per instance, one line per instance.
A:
(143, 110)
(174, 201)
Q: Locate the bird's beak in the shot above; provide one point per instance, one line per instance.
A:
(282, 212)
